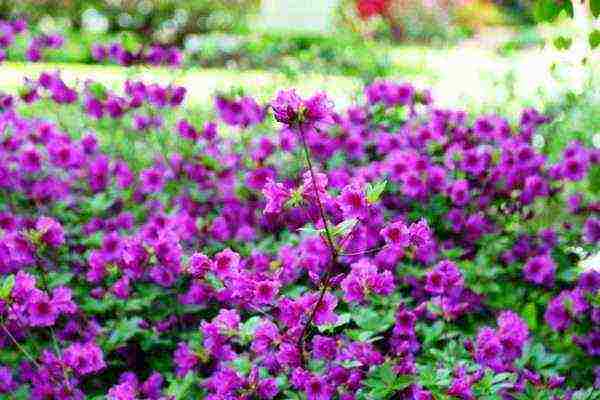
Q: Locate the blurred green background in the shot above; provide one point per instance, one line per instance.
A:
(482, 55)
(341, 37)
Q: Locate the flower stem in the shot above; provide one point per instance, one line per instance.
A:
(326, 280)
(18, 345)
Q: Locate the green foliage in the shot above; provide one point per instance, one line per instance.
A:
(594, 38)
(6, 287)
(491, 385)
(294, 54)
(375, 191)
(549, 10)
(574, 118)
(595, 7)
(184, 387)
(201, 15)
(383, 383)
(369, 319)
(563, 43)
(247, 329)
(122, 331)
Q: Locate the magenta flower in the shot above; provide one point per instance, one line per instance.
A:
(51, 231)
(267, 389)
(84, 359)
(186, 130)
(317, 388)
(7, 382)
(562, 309)
(185, 360)
(364, 279)
(306, 114)
(310, 189)
(353, 202)
(226, 263)
(489, 349)
(277, 195)
(31, 160)
(199, 264)
(591, 230)
(459, 192)
(99, 52)
(443, 278)
(420, 234)
(513, 334)
(540, 270)
(396, 234)
(390, 93)
(324, 313)
(123, 391)
(152, 180)
(405, 322)
(265, 292)
(41, 311)
(62, 300)
(24, 286)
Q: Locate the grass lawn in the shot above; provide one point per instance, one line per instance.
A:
(201, 83)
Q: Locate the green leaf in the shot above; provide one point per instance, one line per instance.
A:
(129, 42)
(432, 333)
(291, 395)
(563, 43)
(595, 7)
(242, 365)
(594, 38)
(98, 90)
(99, 203)
(94, 306)
(211, 163)
(530, 315)
(248, 327)
(453, 254)
(344, 227)
(7, 285)
(374, 192)
(549, 10)
(214, 281)
(384, 382)
(124, 330)
(370, 320)
(586, 394)
(56, 279)
(22, 393)
(312, 231)
(316, 366)
(178, 388)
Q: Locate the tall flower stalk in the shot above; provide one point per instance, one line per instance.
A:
(303, 116)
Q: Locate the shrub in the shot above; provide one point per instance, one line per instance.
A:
(290, 250)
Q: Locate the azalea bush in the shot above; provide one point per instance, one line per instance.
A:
(290, 249)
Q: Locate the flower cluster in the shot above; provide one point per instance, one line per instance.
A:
(40, 43)
(243, 111)
(499, 348)
(8, 31)
(155, 55)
